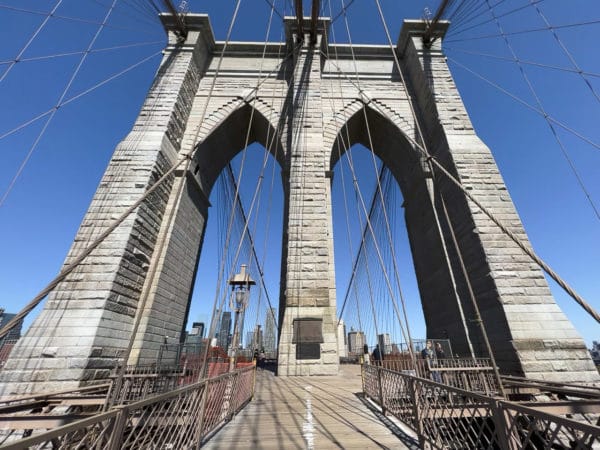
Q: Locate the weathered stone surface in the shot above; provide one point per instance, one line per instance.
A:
(307, 111)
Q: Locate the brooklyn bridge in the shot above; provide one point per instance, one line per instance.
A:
(301, 241)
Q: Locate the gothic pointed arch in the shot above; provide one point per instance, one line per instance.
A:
(442, 286)
(227, 131)
(383, 130)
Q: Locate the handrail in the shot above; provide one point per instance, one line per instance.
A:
(164, 413)
(450, 417)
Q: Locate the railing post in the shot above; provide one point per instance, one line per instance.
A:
(233, 395)
(362, 374)
(412, 388)
(116, 438)
(507, 437)
(203, 401)
(253, 380)
(380, 386)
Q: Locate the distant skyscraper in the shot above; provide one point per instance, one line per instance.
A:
(385, 343)
(257, 338)
(7, 342)
(224, 330)
(15, 332)
(356, 342)
(197, 329)
(270, 336)
(195, 336)
(250, 340)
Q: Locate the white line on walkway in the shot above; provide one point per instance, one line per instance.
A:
(308, 427)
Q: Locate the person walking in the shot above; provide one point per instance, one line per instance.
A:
(428, 354)
(377, 356)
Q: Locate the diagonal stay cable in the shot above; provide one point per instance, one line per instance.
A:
(53, 113)
(68, 269)
(404, 328)
(361, 245)
(71, 19)
(565, 50)
(342, 11)
(78, 96)
(454, 30)
(543, 110)
(31, 39)
(532, 30)
(272, 5)
(238, 200)
(97, 50)
(522, 61)
(524, 103)
(528, 250)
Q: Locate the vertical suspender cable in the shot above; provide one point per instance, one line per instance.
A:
(424, 147)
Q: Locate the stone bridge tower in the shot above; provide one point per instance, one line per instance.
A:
(307, 102)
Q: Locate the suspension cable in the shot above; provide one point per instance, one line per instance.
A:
(98, 50)
(527, 105)
(53, 113)
(72, 19)
(540, 106)
(79, 258)
(424, 148)
(405, 333)
(78, 96)
(454, 30)
(236, 195)
(342, 144)
(523, 61)
(565, 51)
(532, 30)
(31, 39)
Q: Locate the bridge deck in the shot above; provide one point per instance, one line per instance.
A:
(309, 413)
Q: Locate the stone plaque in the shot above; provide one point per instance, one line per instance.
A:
(308, 335)
(308, 350)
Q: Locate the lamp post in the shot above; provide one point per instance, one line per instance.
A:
(240, 291)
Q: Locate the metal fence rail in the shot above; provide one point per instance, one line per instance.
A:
(446, 417)
(471, 374)
(139, 382)
(178, 419)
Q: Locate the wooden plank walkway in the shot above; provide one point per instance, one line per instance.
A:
(310, 413)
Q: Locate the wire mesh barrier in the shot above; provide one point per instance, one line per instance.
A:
(446, 417)
(178, 419)
(139, 382)
(6, 346)
(471, 374)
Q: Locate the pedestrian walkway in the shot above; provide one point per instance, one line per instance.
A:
(310, 413)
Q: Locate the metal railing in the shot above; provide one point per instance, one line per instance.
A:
(471, 374)
(139, 382)
(446, 417)
(6, 346)
(179, 419)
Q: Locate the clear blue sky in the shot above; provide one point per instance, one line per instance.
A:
(42, 212)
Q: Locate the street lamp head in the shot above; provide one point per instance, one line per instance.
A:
(241, 279)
